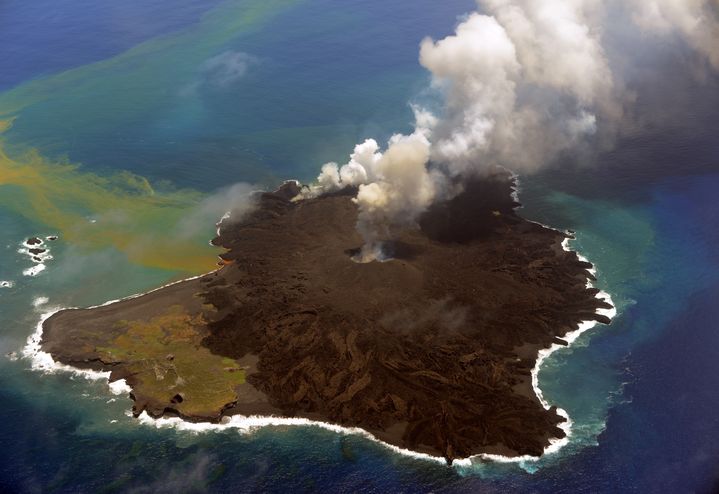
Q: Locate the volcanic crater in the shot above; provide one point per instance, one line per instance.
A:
(431, 351)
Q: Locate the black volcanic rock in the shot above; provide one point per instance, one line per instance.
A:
(431, 351)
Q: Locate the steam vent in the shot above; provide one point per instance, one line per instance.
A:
(431, 351)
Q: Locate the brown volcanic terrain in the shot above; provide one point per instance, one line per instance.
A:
(431, 351)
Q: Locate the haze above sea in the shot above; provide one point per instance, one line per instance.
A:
(119, 119)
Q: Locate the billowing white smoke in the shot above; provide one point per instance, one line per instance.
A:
(521, 83)
(402, 187)
(236, 199)
(697, 21)
(393, 186)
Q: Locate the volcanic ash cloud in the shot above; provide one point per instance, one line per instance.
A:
(518, 85)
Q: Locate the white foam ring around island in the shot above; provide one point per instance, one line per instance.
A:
(34, 270)
(247, 424)
(43, 361)
(38, 258)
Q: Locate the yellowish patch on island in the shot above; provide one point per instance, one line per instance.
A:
(172, 367)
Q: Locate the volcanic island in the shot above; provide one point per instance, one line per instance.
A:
(431, 351)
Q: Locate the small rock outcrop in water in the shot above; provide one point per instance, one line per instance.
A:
(431, 351)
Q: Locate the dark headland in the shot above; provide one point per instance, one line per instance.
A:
(431, 351)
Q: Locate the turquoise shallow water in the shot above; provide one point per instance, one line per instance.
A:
(317, 76)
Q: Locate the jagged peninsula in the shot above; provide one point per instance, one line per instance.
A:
(431, 351)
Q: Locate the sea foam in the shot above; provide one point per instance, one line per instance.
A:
(38, 258)
(35, 270)
(43, 362)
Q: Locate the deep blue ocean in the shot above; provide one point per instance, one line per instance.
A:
(118, 119)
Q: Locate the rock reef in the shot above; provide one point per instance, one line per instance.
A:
(431, 351)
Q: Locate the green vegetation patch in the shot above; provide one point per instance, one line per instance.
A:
(171, 366)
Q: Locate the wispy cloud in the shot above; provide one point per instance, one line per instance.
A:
(222, 71)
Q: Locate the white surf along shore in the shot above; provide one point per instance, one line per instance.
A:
(43, 362)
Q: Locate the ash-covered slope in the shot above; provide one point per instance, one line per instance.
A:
(431, 351)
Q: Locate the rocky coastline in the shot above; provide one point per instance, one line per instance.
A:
(431, 351)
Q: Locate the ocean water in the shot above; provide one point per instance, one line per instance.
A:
(119, 120)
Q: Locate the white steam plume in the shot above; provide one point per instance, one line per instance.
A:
(520, 86)
(403, 186)
(520, 83)
(393, 186)
(236, 199)
(694, 20)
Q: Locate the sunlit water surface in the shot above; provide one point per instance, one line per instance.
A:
(132, 92)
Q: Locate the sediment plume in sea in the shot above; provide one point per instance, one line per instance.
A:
(491, 241)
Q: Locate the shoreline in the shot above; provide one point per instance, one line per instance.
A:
(43, 362)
